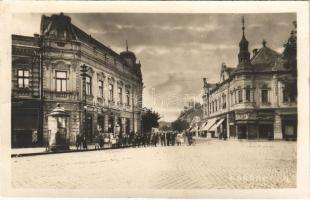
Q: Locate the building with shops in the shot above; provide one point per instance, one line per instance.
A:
(46, 72)
(256, 99)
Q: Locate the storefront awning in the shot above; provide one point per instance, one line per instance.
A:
(203, 126)
(210, 122)
(213, 128)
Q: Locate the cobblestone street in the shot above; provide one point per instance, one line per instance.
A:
(208, 165)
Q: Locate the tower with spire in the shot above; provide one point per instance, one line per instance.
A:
(244, 54)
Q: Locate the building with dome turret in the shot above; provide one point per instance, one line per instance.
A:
(257, 99)
(46, 72)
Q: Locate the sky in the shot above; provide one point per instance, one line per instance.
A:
(176, 50)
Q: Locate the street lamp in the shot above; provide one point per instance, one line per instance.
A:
(83, 74)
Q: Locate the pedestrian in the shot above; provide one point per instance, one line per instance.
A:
(84, 143)
(101, 141)
(173, 137)
(168, 138)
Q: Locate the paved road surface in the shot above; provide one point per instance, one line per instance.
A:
(209, 165)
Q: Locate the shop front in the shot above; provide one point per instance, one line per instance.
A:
(25, 121)
(289, 127)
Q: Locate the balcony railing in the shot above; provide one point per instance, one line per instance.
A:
(22, 92)
(52, 95)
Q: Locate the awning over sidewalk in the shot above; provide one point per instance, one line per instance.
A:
(213, 128)
(203, 126)
(209, 124)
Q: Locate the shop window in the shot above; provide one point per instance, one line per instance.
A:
(61, 81)
(88, 86)
(23, 78)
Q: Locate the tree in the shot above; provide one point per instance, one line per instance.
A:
(179, 125)
(150, 119)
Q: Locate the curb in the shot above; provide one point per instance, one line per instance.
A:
(67, 151)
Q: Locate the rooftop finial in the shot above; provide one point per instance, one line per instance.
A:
(264, 43)
(126, 45)
(243, 25)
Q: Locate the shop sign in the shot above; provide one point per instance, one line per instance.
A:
(245, 116)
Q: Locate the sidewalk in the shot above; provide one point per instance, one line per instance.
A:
(20, 152)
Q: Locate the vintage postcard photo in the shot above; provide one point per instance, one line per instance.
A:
(141, 100)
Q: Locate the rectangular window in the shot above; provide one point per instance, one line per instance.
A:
(61, 81)
(248, 94)
(285, 95)
(232, 98)
(120, 95)
(88, 86)
(23, 78)
(224, 101)
(127, 97)
(236, 96)
(240, 95)
(111, 94)
(264, 95)
(100, 84)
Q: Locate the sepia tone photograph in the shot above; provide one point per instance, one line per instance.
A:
(178, 102)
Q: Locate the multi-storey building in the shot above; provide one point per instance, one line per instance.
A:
(46, 72)
(256, 99)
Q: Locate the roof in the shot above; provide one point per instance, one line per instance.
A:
(265, 59)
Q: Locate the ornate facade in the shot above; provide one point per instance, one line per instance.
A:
(46, 71)
(256, 99)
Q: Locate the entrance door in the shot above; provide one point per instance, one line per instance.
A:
(127, 126)
(111, 124)
(265, 131)
(232, 131)
(242, 131)
(89, 127)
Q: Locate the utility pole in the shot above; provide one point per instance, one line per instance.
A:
(41, 58)
(83, 74)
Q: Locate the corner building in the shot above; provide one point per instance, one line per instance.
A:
(258, 98)
(46, 71)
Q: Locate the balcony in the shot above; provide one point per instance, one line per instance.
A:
(22, 92)
(53, 95)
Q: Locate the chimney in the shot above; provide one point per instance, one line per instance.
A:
(205, 82)
(255, 51)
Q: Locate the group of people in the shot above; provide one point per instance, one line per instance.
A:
(164, 138)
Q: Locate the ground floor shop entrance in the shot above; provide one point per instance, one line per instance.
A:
(26, 128)
(289, 126)
(89, 127)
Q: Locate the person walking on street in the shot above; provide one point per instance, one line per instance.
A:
(168, 138)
